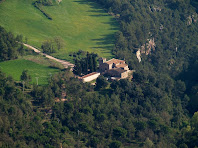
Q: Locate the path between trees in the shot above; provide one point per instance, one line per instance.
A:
(65, 64)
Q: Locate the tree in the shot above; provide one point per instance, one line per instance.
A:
(25, 77)
(78, 67)
(94, 62)
(119, 132)
(194, 120)
(115, 144)
(21, 50)
(9, 46)
(90, 62)
(148, 143)
(3, 50)
(46, 2)
(86, 64)
(19, 38)
(59, 42)
(101, 82)
(48, 47)
(47, 97)
(94, 141)
(85, 127)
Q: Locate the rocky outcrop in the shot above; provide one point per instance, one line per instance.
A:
(138, 55)
(146, 49)
(192, 19)
(59, 1)
(155, 9)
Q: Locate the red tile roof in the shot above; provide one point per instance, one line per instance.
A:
(90, 74)
(121, 65)
(116, 61)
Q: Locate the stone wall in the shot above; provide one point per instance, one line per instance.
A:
(124, 75)
(104, 67)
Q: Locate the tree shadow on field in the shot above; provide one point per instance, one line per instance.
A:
(97, 8)
(91, 3)
(106, 41)
(113, 23)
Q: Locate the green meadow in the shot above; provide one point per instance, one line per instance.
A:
(81, 24)
(15, 68)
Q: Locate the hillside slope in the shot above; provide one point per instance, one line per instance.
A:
(81, 25)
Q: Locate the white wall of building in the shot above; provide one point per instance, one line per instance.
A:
(90, 78)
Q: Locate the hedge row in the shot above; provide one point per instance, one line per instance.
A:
(38, 6)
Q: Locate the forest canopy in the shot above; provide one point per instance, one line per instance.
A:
(157, 108)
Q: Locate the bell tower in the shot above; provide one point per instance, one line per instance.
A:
(101, 60)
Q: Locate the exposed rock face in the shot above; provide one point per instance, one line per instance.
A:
(114, 15)
(155, 9)
(146, 49)
(138, 55)
(192, 18)
(59, 1)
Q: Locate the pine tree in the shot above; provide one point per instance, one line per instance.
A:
(25, 77)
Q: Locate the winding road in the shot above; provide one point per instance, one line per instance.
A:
(65, 64)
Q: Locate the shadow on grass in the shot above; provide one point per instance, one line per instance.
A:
(98, 9)
(91, 3)
(107, 41)
(99, 15)
(113, 23)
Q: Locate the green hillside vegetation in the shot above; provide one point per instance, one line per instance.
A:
(37, 65)
(158, 108)
(195, 4)
(15, 68)
(10, 49)
(81, 25)
(20, 120)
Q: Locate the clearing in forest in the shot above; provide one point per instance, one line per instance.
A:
(15, 68)
(80, 24)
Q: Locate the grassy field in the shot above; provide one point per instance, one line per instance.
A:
(80, 23)
(14, 68)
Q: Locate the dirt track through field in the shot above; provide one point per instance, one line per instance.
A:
(66, 64)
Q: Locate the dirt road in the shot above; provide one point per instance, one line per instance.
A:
(63, 62)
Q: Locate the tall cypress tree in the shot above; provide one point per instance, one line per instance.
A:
(94, 61)
(3, 50)
(91, 67)
(78, 67)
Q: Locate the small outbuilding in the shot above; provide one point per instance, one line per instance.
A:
(91, 76)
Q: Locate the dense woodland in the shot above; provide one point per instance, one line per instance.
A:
(9, 47)
(157, 108)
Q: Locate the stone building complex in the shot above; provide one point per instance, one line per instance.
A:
(113, 68)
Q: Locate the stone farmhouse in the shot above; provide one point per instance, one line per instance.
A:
(115, 68)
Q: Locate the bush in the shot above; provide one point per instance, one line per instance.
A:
(115, 144)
